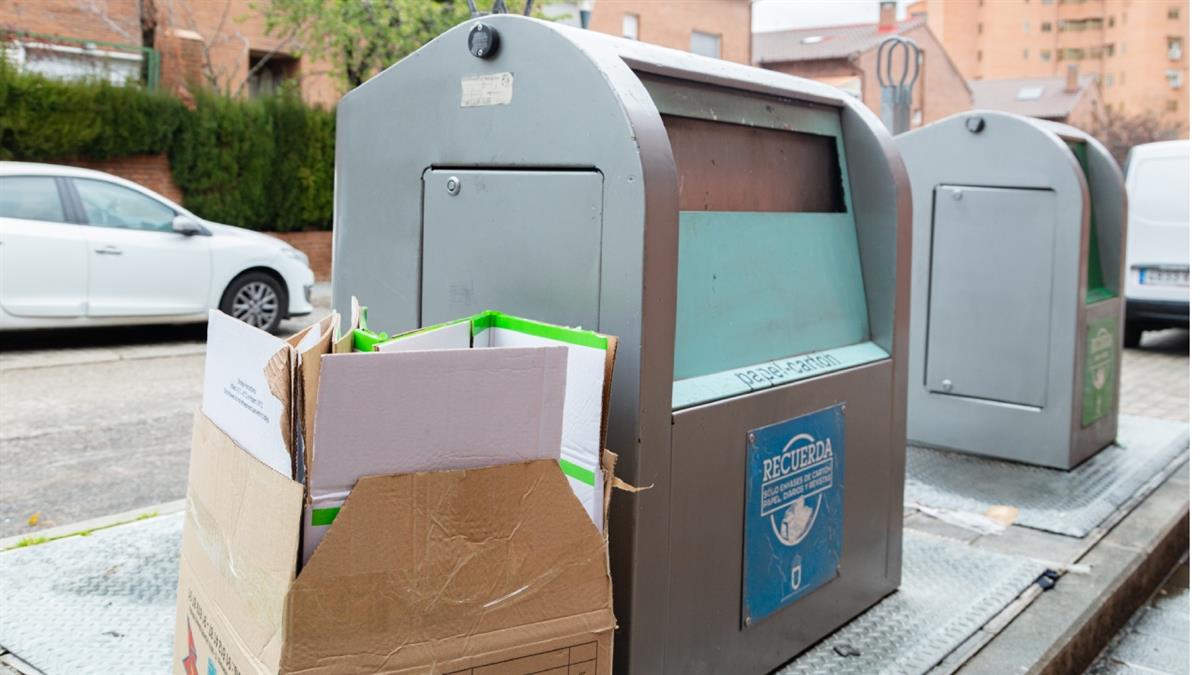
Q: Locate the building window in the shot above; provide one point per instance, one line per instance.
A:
(1112, 20)
(1172, 12)
(268, 72)
(1071, 53)
(706, 44)
(1110, 49)
(1025, 26)
(1047, 26)
(629, 26)
(1172, 106)
(1045, 55)
(980, 29)
(1174, 48)
(1076, 25)
(1109, 81)
(979, 55)
(74, 61)
(1025, 54)
(1174, 78)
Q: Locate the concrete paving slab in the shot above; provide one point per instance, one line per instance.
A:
(1066, 502)
(103, 603)
(1064, 629)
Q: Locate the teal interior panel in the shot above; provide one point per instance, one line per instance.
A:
(755, 287)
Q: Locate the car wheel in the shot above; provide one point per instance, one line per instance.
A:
(255, 298)
(1133, 335)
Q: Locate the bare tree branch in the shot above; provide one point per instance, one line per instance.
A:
(99, 9)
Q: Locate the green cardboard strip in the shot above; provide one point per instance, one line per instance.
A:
(579, 473)
(492, 319)
(322, 517)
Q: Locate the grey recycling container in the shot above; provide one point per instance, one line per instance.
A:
(744, 233)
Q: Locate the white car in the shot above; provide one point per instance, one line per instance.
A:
(1156, 249)
(81, 247)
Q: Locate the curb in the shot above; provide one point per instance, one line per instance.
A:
(1064, 629)
(92, 524)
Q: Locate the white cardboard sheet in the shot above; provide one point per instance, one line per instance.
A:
(237, 396)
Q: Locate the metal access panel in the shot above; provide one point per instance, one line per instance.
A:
(989, 300)
(486, 232)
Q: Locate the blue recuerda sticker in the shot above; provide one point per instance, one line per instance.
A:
(793, 528)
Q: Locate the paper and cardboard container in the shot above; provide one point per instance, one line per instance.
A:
(482, 570)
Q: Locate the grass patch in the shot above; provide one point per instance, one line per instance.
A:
(37, 541)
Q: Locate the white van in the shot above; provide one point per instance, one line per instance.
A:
(1156, 254)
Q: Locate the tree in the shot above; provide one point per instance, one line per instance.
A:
(359, 38)
(1124, 130)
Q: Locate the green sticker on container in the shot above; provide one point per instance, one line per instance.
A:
(1099, 369)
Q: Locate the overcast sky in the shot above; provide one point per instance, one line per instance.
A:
(781, 14)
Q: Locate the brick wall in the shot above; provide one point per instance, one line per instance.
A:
(671, 23)
(108, 21)
(318, 246)
(151, 171)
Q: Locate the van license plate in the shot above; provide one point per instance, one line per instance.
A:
(1153, 276)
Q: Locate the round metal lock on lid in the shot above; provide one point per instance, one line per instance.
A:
(483, 41)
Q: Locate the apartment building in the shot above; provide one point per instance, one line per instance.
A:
(220, 43)
(1137, 50)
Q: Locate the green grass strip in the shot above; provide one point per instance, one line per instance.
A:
(37, 541)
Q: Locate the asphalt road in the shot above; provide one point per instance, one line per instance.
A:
(98, 421)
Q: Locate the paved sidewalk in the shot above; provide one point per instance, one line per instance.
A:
(95, 422)
(1155, 641)
(1154, 377)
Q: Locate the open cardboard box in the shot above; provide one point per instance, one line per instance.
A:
(483, 570)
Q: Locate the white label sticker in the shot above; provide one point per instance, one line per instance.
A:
(481, 90)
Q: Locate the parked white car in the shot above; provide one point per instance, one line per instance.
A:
(1156, 250)
(81, 247)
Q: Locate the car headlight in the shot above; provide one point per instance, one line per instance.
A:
(295, 254)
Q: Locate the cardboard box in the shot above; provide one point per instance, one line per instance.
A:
(482, 570)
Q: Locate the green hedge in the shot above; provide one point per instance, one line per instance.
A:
(265, 164)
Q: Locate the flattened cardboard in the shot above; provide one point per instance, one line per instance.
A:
(238, 557)
(589, 377)
(405, 412)
(449, 570)
(310, 344)
(248, 389)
